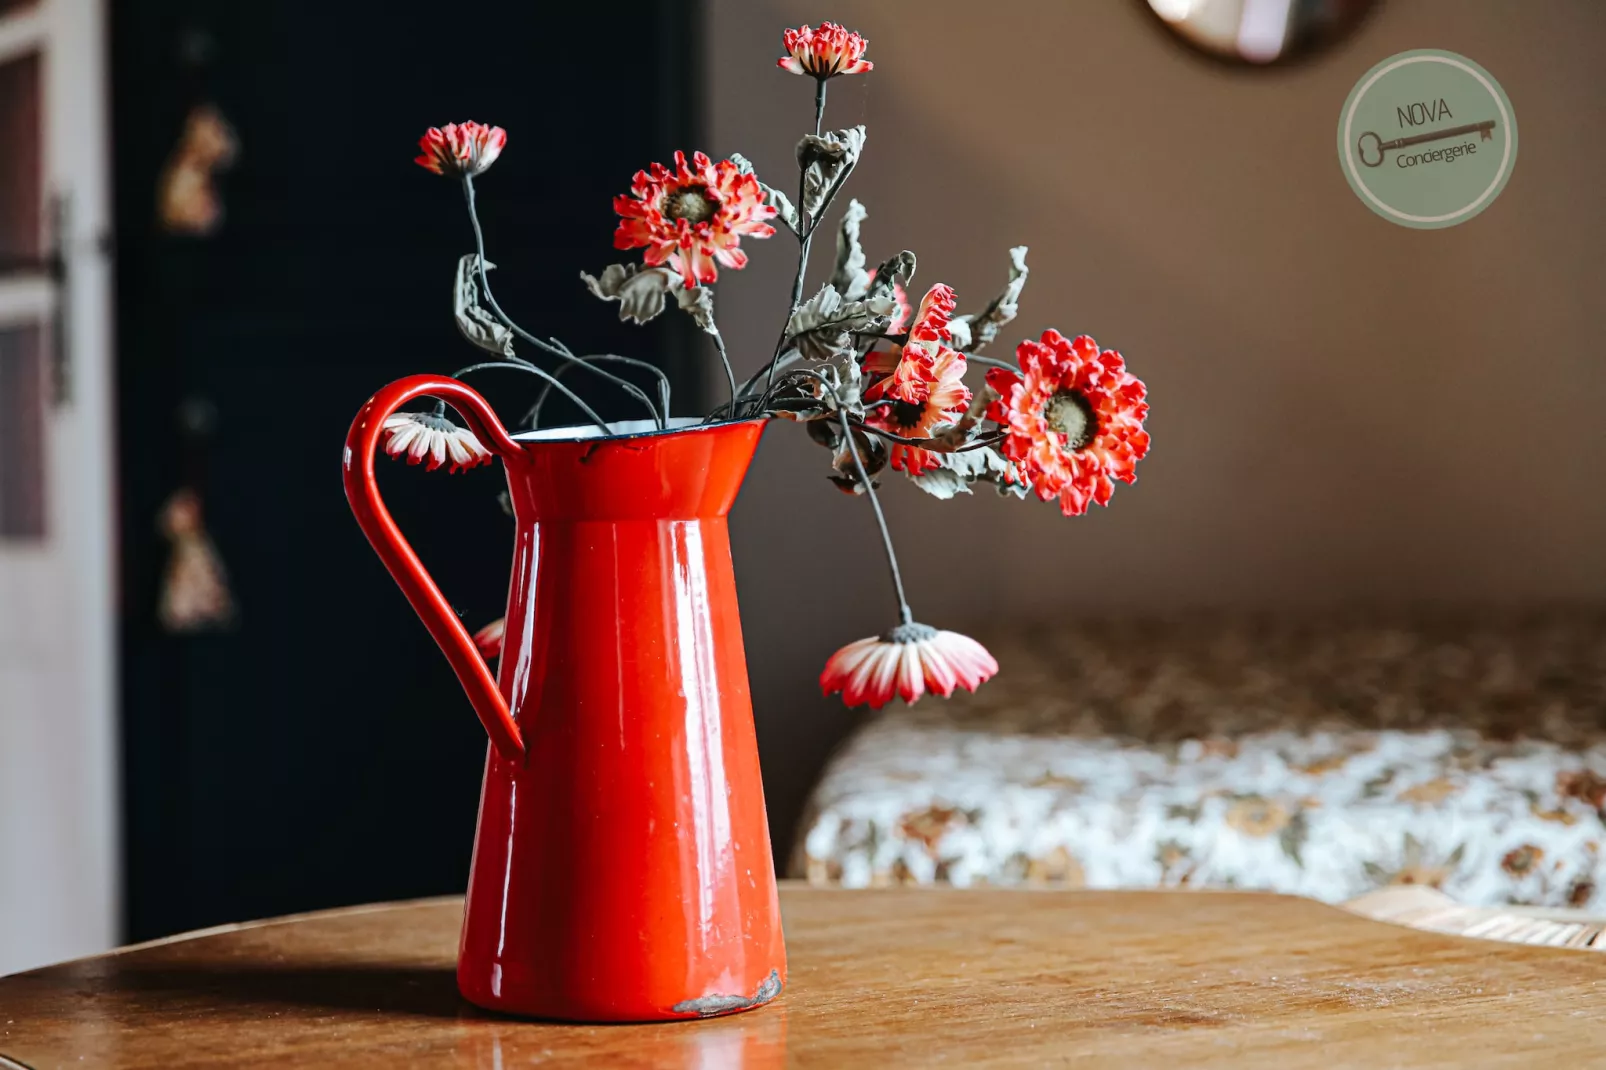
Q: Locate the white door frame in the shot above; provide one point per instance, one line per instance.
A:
(60, 893)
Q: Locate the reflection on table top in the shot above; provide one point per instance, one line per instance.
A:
(879, 978)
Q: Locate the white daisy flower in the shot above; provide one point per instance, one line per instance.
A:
(908, 661)
(433, 440)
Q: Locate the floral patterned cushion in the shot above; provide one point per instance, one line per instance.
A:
(1323, 759)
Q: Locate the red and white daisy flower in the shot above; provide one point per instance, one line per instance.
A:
(489, 638)
(926, 386)
(692, 215)
(908, 661)
(1072, 417)
(432, 440)
(945, 401)
(824, 53)
(460, 149)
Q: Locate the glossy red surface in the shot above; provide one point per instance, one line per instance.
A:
(622, 866)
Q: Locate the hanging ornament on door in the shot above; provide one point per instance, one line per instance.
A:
(195, 595)
(187, 197)
(187, 200)
(195, 588)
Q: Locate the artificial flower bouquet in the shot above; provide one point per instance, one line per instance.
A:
(878, 383)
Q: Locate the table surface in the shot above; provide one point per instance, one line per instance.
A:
(881, 978)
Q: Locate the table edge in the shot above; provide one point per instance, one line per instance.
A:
(786, 886)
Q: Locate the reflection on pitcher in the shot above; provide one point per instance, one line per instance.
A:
(738, 1042)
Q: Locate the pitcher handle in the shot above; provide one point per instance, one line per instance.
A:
(397, 554)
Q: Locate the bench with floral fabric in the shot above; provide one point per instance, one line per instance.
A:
(1324, 758)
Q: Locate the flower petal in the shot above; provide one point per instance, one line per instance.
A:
(911, 673)
(489, 638)
(940, 674)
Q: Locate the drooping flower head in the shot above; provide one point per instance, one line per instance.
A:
(824, 53)
(1072, 417)
(926, 386)
(432, 440)
(692, 215)
(908, 661)
(459, 149)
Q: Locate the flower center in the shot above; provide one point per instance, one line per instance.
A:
(906, 413)
(909, 633)
(691, 203)
(433, 422)
(1069, 413)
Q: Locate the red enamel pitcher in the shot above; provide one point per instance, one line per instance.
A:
(622, 867)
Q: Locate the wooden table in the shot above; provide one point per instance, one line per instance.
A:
(883, 979)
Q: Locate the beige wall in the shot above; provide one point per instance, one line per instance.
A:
(1345, 411)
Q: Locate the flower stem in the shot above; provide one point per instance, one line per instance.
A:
(724, 358)
(562, 354)
(651, 369)
(904, 614)
(933, 445)
(797, 285)
(756, 376)
(532, 419)
(806, 239)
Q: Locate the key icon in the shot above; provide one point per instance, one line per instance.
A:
(1484, 130)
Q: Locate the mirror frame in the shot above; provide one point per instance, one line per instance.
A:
(1302, 51)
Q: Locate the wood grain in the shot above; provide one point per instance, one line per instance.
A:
(886, 978)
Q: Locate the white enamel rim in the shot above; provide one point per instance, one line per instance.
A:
(628, 429)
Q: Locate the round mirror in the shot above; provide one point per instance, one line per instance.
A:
(1260, 31)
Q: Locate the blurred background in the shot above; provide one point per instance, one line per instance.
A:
(215, 247)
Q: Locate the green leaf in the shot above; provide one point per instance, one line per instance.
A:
(957, 470)
(823, 326)
(474, 322)
(973, 332)
(849, 277)
(942, 483)
(698, 303)
(826, 160)
(898, 268)
(784, 209)
(640, 291)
